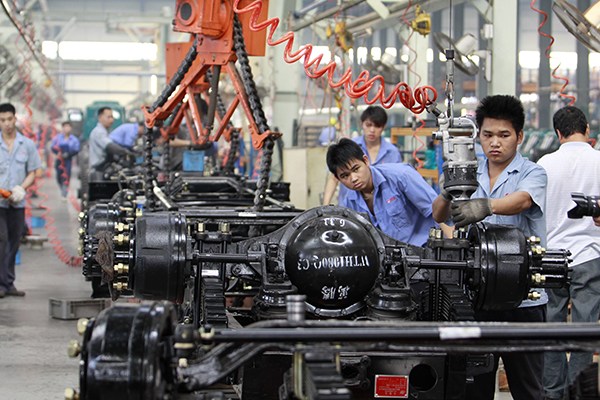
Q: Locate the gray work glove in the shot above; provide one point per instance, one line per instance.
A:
(470, 211)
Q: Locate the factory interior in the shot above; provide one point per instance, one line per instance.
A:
(299, 199)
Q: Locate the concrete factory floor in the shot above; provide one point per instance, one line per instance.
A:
(33, 346)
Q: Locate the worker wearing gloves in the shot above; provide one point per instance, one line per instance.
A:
(512, 191)
(19, 162)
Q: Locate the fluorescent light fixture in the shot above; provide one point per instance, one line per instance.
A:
(376, 53)
(100, 51)
(567, 59)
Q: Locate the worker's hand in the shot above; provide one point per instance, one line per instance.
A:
(64, 155)
(470, 211)
(18, 194)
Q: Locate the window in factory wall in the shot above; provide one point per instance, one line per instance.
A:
(361, 55)
(429, 55)
(100, 51)
(322, 51)
(566, 59)
(376, 53)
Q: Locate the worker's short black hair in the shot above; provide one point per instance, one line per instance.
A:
(342, 153)
(7, 107)
(376, 115)
(66, 123)
(504, 107)
(102, 109)
(569, 120)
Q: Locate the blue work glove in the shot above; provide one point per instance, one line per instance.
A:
(467, 212)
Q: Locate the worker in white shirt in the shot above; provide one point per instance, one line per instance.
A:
(574, 167)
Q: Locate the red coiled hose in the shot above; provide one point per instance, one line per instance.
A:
(547, 53)
(415, 101)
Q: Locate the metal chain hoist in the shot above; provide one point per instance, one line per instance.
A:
(257, 111)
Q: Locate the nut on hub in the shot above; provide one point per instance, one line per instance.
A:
(71, 394)
(82, 324)
(74, 348)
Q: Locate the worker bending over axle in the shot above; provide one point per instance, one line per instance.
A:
(394, 196)
(377, 149)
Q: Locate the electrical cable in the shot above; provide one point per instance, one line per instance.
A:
(565, 79)
(415, 100)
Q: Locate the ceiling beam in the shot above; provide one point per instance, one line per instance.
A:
(65, 29)
(379, 8)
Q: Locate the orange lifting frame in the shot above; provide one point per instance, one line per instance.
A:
(212, 22)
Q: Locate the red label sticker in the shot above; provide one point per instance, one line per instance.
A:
(391, 386)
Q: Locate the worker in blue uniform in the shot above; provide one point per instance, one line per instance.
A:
(101, 148)
(512, 191)
(65, 146)
(126, 135)
(19, 164)
(377, 149)
(394, 196)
